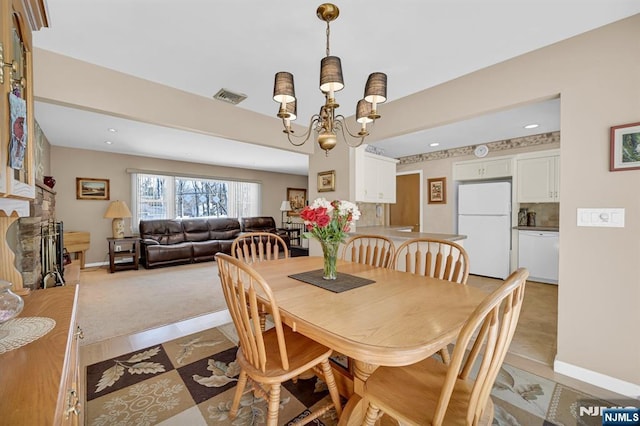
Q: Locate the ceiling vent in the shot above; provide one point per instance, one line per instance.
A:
(229, 96)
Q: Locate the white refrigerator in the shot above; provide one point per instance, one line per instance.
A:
(484, 216)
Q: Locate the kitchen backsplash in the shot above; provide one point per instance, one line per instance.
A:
(368, 215)
(547, 214)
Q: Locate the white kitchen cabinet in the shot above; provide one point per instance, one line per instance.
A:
(375, 177)
(483, 169)
(538, 179)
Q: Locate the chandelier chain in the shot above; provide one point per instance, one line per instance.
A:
(328, 37)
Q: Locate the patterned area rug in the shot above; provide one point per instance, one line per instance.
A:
(187, 381)
(191, 381)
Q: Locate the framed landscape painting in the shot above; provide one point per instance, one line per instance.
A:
(92, 189)
(624, 146)
(298, 199)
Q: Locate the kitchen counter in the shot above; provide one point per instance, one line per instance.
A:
(397, 233)
(538, 228)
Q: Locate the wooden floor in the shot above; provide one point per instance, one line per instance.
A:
(533, 348)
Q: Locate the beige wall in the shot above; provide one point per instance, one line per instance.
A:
(597, 76)
(87, 215)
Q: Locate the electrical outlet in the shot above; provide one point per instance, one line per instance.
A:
(118, 248)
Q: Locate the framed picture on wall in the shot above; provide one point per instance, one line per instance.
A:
(437, 190)
(298, 199)
(92, 189)
(327, 181)
(624, 146)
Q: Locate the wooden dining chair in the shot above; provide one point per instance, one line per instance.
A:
(432, 393)
(259, 246)
(442, 259)
(272, 357)
(374, 250)
(252, 247)
(434, 258)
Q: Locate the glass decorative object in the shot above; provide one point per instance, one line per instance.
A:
(10, 304)
(330, 253)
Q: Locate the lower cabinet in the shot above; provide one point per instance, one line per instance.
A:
(538, 252)
(40, 381)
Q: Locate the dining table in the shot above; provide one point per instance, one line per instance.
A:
(398, 319)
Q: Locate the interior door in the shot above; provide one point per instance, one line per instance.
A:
(406, 210)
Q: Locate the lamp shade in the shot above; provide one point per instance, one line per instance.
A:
(283, 89)
(363, 110)
(117, 209)
(292, 110)
(331, 74)
(375, 91)
(285, 206)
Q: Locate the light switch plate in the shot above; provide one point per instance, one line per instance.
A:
(604, 217)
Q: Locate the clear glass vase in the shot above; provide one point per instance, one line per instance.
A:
(10, 304)
(330, 253)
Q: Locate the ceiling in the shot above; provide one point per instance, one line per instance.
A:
(201, 46)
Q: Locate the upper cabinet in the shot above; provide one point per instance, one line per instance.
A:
(538, 177)
(19, 19)
(483, 169)
(375, 177)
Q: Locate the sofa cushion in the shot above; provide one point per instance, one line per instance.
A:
(164, 231)
(205, 250)
(223, 228)
(196, 229)
(163, 253)
(258, 224)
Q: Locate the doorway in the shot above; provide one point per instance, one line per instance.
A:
(408, 207)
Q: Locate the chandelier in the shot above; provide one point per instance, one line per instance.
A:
(326, 124)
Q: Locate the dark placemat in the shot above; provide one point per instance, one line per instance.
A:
(344, 282)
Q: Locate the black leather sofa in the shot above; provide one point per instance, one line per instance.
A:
(263, 224)
(176, 241)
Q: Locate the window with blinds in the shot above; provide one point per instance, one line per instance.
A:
(168, 197)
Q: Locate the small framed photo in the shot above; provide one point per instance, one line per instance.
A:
(437, 190)
(297, 197)
(624, 147)
(327, 181)
(92, 189)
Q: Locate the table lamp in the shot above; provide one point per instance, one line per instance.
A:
(285, 207)
(117, 211)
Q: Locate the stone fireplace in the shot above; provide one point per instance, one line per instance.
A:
(24, 236)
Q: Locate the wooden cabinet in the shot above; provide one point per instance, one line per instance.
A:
(375, 177)
(483, 169)
(538, 178)
(19, 19)
(39, 384)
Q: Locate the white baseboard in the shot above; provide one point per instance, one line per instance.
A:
(597, 379)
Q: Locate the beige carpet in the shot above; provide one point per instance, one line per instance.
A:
(127, 302)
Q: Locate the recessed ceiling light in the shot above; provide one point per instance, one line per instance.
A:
(531, 126)
(112, 130)
(434, 144)
(108, 142)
